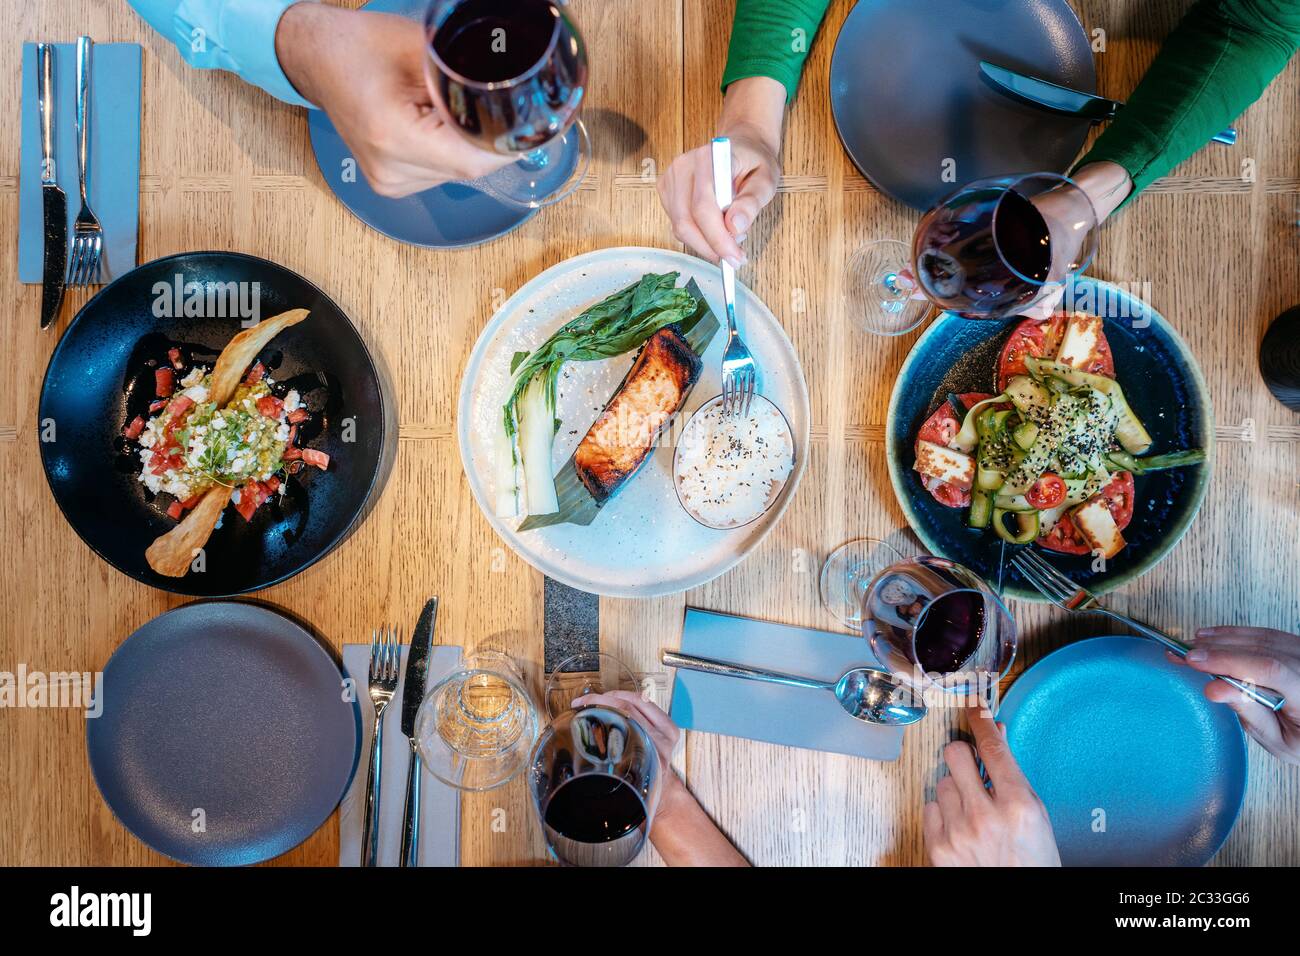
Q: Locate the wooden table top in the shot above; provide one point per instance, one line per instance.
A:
(225, 166)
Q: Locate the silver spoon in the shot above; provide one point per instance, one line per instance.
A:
(866, 693)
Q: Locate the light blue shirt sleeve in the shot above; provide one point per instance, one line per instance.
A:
(234, 35)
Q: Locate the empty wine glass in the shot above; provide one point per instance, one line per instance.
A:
(993, 248)
(848, 571)
(511, 75)
(589, 672)
(475, 727)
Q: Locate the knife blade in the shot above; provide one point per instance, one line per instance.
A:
(417, 672)
(53, 199)
(1062, 99)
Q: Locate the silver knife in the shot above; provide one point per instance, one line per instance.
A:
(417, 672)
(54, 200)
(1062, 99)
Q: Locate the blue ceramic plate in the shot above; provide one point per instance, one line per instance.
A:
(1135, 766)
(451, 216)
(228, 713)
(1160, 378)
(918, 118)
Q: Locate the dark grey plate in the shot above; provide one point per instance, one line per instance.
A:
(229, 714)
(908, 96)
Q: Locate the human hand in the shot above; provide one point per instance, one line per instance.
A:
(366, 70)
(752, 114)
(652, 718)
(969, 825)
(1265, 658)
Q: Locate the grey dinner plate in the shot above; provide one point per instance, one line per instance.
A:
(226, 736)
(918, 118)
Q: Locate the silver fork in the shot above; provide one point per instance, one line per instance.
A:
(1067, 595)
(87, 234)
(739, 373)
(385, 656)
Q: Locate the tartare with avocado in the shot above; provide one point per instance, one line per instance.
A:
(1051, 458)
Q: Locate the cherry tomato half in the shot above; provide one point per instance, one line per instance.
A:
(1047, 492)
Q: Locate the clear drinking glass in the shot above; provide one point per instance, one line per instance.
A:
(848, 571)
(511, 75)
(992, 249)
(937, 623)
(595, 778)
(475, 727)
(587, 673)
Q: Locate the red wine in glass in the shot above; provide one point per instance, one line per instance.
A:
(950, 631)
(594, 808)
(511, 75)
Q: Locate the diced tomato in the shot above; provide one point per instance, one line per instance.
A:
(255, 374)
(272, 484)
(164, 382)
(1047, 492)
(174, 355)
(1119, 498)
(270, 406)
(157, 405)
(179, 406)
(299, 414)
(1039, 338)
(133, 430)
(318, 458)
(246, 505)
(950, 496)
(293, 435)
(1065, 538)
(292, 454)
(175, 509)
(189, 503)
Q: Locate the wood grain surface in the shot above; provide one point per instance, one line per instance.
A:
(225, 166)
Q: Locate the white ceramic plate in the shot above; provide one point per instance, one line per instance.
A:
(642, 544)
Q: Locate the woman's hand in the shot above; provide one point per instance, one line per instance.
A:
(969, 825)
(752, 114)
(1265, 658)
(366, 70)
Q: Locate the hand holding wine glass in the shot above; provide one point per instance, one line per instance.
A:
(366, 70)
(971, 825)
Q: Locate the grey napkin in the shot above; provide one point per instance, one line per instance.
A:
(794, 716)
(439, 803)
(113, 180)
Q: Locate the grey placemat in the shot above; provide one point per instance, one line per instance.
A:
(113, 180)
(794, 716)
(571, 622)
(439, 803)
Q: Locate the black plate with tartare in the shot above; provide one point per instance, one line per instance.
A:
(98, 379)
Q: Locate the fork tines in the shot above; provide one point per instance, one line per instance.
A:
(85, 257)
(1050, 582)
(384, 657)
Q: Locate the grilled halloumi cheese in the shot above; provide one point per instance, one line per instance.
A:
(1094, 520)
(624, 435)
(1081, 343)
(946, 464)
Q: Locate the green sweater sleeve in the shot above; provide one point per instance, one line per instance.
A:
(1216, 63)
(772, 38)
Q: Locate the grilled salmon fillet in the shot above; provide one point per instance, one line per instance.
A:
(624, 435)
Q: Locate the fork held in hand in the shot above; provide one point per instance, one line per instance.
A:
(739, 373)
(87, 234)
(1065, 594)
(385, 656)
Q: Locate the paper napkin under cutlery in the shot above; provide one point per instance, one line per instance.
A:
(776, 713)
(439, 803)
(113, 159)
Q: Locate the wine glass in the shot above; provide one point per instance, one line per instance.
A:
(589, 672)
(848, 571)
(940, 623)
(475, 727)
(595, 777)
(994, 248)
(510, 75)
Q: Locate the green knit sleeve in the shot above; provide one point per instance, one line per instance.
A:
(1216, 63)
(772, 38)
